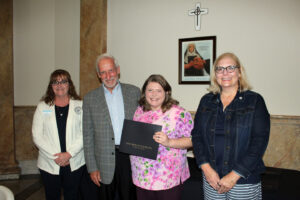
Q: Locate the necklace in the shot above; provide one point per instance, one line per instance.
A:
(61, 111)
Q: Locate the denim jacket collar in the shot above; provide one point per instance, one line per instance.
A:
(240, 96)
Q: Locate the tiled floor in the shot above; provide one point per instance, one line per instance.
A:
(28, 187)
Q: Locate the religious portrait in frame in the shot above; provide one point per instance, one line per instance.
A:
(196, 58)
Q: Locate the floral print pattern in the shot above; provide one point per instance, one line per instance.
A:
(171, 166)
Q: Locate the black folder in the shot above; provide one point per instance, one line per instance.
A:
(137, 139)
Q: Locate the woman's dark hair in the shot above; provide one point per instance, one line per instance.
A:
(168, 102)
(49, 97)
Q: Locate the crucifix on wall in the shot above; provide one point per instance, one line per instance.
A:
(197, 13)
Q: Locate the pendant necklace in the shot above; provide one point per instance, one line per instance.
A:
(61, 110)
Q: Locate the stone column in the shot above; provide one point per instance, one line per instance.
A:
(93, 41)
(8, 165)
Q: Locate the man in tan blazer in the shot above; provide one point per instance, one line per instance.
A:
(104, 110)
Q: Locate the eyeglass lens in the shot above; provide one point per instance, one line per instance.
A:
(59, 82)
(229, 69)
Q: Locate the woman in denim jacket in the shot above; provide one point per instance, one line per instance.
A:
(231, 133)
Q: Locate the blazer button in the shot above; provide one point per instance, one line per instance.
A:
(112, 153)
(227, 147)
(225, 163)
(112, 138)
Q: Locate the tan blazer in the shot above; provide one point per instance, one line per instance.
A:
(45, 136)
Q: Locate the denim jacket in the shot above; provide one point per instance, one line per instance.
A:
(247, 129)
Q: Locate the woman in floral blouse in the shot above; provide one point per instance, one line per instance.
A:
(162, 178)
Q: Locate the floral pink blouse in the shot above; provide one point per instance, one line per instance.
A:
(170, 166)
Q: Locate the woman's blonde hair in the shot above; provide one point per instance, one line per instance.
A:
(243, 82)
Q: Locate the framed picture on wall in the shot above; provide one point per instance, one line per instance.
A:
(196, 58)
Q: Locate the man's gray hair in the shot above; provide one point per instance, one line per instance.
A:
(105, 56)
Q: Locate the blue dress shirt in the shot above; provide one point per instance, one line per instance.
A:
(115, 105)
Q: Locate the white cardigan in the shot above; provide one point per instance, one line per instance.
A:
(46, 138)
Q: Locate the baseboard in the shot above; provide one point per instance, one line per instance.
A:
(28, 167)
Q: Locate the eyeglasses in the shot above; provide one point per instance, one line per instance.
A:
(110, 71)
(229, 69)
(60, 82)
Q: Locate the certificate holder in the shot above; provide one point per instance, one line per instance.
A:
(137, 139)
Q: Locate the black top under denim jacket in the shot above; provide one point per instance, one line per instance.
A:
(247, 129)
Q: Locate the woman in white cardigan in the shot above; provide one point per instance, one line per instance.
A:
(57, 132)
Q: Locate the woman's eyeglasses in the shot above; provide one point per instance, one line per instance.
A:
(229, 69)
(60, 82)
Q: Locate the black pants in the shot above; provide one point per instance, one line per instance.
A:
(88, 190)
(66, 180)
(121, 187)
(173, 193)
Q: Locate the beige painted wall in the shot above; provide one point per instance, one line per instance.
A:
(144, 35)
(46, 37)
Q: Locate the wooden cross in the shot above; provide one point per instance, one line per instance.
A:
(197, 13)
